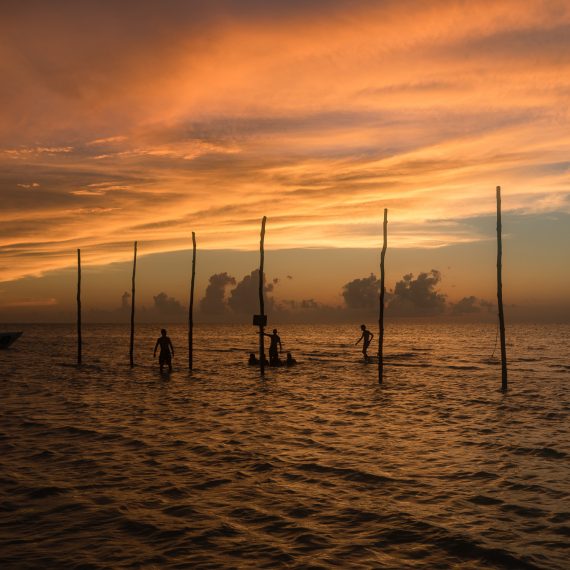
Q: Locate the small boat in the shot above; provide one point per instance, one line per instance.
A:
(9, 338)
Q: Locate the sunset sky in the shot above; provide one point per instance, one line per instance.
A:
(147, 120)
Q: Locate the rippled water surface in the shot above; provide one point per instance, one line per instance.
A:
(314, 467)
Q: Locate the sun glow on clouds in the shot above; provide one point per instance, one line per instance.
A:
(316, 114)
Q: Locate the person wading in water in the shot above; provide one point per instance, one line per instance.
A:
(273, 352)
(165, 347)
(367, 336)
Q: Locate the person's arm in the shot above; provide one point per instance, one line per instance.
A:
(280, 346)
(361, 337)
(155, 347)
(171, 347)
(371, 336)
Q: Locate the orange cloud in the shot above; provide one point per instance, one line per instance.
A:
(151, 123)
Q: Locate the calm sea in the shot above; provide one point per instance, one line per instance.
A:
(316, 466)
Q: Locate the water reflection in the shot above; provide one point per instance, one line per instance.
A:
(314, 465)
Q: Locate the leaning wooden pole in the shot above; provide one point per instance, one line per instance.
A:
(382, 292)
(79, 341)
(504, 383)
(261, 300)
(191, 306)
(132, 345)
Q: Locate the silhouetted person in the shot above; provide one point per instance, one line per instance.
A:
(273, 352)
(165, 347)
(252, 359)
(290, 361)
(367, 336)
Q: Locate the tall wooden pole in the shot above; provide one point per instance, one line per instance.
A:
(191, 305)
(132, 346)
(261, 300)
(504, 384)
(79, 342)
(382, 292)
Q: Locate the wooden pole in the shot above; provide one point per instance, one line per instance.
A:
(132, 346)
(504, 383)
(382, 292)
(261, 300)
(191, 306)
(79, 341)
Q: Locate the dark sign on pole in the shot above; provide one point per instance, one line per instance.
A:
(259, 320)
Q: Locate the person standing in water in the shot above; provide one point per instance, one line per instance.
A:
(165, 347)
(273, 352)
(367, 336)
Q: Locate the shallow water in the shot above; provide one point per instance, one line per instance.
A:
(314, 467)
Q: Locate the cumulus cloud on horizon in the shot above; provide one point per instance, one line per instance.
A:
(214, 301)
(470, 305)
(419, 296)
(412, 296)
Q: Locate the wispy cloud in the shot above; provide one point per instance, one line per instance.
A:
(30, 185)
(108, 140)
(29, 152)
